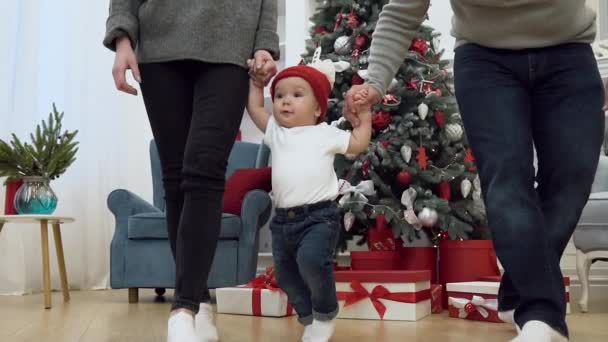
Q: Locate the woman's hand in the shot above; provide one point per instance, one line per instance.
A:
(262, 68)
(125, 59)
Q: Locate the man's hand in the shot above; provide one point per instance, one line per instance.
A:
(262, 68)
(359, 98)
(125, 59)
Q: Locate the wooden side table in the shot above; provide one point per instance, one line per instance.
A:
(44, 221)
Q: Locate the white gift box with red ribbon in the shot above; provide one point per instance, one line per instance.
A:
(384, 295)
(260, 297)
(475, 300)
(566, 286)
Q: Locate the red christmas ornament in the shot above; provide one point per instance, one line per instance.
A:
(427, 88)
(412, 84)
(381, 238)
(422, 158)
(420, 46)
(443, 235)
(404, 179)
(320, 30)
(356, 80)
(360, 42)
(352, 20)
(470, 159)
(365, 168)
(381, 120)
(440, 119)
(444, 190)
(339, 18)
(469, 308)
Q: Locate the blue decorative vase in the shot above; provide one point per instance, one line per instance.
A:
(35, 197)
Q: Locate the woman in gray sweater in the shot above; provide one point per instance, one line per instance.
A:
(525, 77)
(190, 58)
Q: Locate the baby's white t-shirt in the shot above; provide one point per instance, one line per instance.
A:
(303, 162)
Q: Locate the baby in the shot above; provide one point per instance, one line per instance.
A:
(304, 184)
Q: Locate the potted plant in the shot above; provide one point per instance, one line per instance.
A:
(45, 158)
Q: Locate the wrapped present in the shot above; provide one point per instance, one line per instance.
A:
(388, 295)
(436, 298)
(259, 297)
(566, 286)
(374, 260)
(475, 300)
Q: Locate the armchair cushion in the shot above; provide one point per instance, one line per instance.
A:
(240, 183)
(147, 226)
(151, 226)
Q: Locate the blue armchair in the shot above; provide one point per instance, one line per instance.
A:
(140, 256)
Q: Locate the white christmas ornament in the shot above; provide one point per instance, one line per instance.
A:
(465, 187)
(477, 183)
(423, 110)
(406, 153)
(342, 46)
(349, 220)
(408, 197)
(428, 217)
(454, 131)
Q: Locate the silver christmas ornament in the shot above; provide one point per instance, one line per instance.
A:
(454, 131)
(428, 217)
(343, 45)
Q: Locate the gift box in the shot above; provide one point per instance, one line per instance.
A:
(384, 295)
(566, 286)
(436, 298)
(475, 300)
(374, 260)
(260, 297)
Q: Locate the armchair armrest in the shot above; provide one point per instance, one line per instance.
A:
(255, 213)
(123, 203)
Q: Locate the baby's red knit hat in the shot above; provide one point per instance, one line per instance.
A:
(318, 81)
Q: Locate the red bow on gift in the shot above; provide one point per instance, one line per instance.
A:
(265, 281)
(380, 292)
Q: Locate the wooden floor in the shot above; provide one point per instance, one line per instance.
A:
(95, 316)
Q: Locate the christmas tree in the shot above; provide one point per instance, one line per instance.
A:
(418, 171)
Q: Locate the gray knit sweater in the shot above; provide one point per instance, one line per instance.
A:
(504, 24)
(215, 31)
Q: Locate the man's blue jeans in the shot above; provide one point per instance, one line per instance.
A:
(512, 102)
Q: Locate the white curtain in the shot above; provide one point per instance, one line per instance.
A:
(52, 52)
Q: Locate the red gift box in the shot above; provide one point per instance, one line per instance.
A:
(419, 259)
(475, 300)
(374, 260)
(436, 298)
(9, 196)
(497, 279)
(388, 295)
